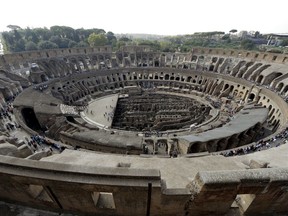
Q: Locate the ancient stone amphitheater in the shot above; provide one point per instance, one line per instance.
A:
(137, 132)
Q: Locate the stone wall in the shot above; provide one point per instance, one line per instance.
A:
(116, 191)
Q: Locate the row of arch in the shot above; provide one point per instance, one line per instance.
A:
(225, 143)
(252, 71)
(72, 90)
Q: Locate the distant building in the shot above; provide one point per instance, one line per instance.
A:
(276, 39)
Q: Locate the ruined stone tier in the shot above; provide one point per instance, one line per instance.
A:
(230, 95)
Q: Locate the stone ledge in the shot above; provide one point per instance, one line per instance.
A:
(79, 173)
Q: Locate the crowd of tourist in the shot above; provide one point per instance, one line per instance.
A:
(277, 140)
(6, 117)
(38, 142)
(40, 87)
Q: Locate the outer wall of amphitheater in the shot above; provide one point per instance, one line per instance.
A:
(253, 77)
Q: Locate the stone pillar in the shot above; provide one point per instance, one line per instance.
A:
(210, 196)
(246, 96)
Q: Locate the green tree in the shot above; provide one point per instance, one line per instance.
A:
(284, 42)
(8, 40)
(30, 35)
(14, 27)
(19, 46)
(257, 34)
(225, 37)
(43, 33)
(233, 31)
(155, 45)
(55, 39)
(166, 46)
(97, 40)
(61, 42)
(72, 44)
(47, 45)
(30, 46)
(120, 44)
(82, 44)
(17, 35)
(247, 44)
(63, 32)
(111, 38)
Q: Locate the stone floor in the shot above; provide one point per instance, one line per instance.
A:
(177, 172)
(100, 111)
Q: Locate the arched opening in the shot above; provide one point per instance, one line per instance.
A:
(31, 119)
(195, 148)
(157, 64)
(70, 119)
(211, 68)
(271, 77)
(124, 77)
(214, 59)
(226, 87)
(285, 89)
(260, 78)
(271, 113)
(43, 78)
(251, 96)
(279, 87)
(222, 144)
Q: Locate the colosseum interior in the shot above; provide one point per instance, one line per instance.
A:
(136, 132)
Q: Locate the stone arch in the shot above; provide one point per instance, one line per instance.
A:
(271, 113)
(211, 67)
(222, 144)
(269, 78)
(232, 141)
(248, 73)
(226, 86)
(194, 58)
(196, 147)
(57, 68)
(279, 87)
(82, 63)
(251, 96)
(74, 64)
(256, 73)
(211, 146)
(43, 78)
(259, 79)
(30, 119)
(236, 68)
(276, 126)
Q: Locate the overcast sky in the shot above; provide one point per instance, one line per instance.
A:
(163, 17)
